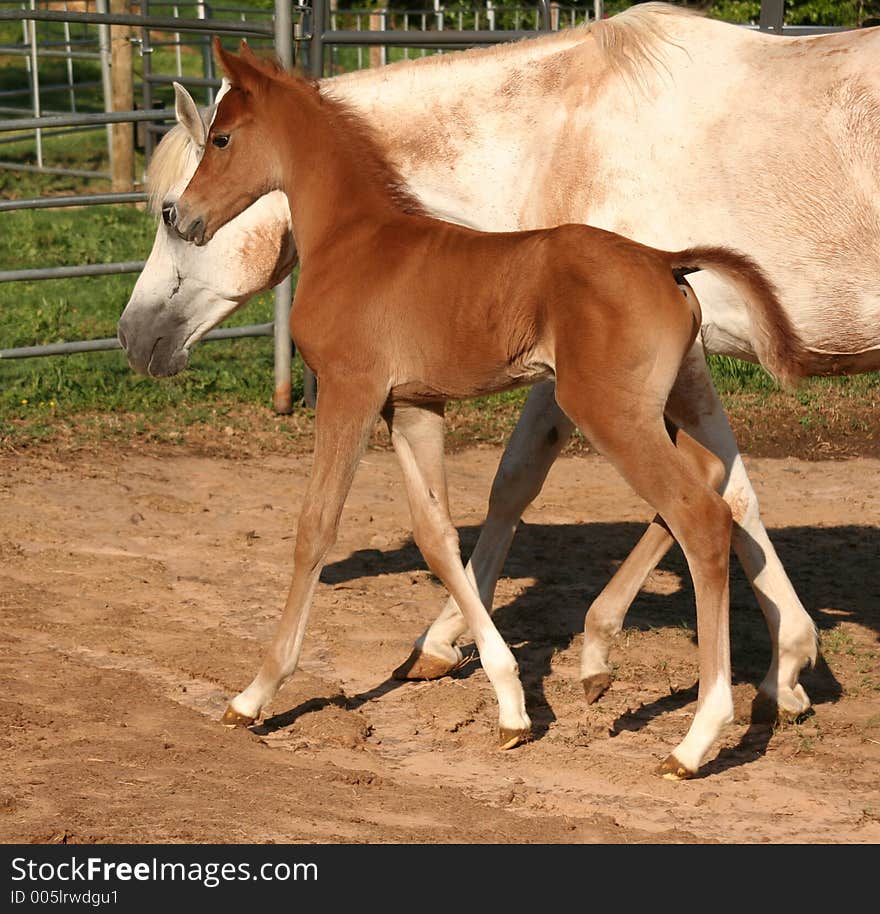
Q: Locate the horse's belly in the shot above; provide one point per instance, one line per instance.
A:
(469, 380)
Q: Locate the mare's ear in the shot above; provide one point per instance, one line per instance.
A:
(241, 71)
(187, 113)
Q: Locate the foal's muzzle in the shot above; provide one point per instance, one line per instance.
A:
(194, 232)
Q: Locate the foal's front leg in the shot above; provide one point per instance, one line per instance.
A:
(417, 436)
(345, 416)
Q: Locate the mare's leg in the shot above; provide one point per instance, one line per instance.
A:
(344, 418)
(630, 433)
(605, 616)
(541, 433)
(417, 436)
(539, 437)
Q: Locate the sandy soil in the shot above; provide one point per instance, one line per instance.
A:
(137, 592)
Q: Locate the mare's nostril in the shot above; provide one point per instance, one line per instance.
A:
(121, 337)
(169, 214)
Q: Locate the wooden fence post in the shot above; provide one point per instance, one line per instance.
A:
(122, 145)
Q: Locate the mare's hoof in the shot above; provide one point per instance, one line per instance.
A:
(673, 770)
(508, 738)
(231, 718)
(767, 710)
(596, 686)
(420, 665)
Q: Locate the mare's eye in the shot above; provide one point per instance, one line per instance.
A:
(220, 140)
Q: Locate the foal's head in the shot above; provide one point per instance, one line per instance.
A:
(241, 161)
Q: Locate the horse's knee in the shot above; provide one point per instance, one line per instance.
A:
(520, 477)
(743, 505)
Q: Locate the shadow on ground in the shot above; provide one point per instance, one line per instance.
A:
(572, 562)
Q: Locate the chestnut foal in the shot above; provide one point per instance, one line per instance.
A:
(397, 313)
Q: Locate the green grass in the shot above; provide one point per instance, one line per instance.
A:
(35, 394)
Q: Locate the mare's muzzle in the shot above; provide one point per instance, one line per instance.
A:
(155, 345)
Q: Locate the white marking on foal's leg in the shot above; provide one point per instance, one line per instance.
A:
(713, 714)
(541, 433)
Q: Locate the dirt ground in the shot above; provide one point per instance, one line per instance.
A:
(138, 590)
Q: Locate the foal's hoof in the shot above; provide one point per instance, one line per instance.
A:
(508, 738)
(420, 665)
(596, 686)
(231, 718)
(673, 770)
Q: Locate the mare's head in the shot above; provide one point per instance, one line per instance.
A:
(184, 291)
(241, 161)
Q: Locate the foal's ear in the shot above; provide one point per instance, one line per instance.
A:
(187, 114)
(245, 52)
(240, 70)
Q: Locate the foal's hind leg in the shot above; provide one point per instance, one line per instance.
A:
(541, 433)
(605, 616)
(630, 433)
(694, 404)
(417, 435)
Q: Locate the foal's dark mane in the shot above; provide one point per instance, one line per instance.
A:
(357, 137)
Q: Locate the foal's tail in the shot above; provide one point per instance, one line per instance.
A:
(779, 348)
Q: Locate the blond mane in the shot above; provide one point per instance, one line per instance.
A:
(173, 156)
(633, 41)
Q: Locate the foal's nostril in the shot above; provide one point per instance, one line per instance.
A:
(196, 231)
(169, 214)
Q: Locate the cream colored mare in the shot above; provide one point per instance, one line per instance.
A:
(664, 126)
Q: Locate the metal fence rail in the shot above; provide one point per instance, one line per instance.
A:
(223, 333)
(40, 122)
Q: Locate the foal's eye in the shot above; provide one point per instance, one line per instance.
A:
(220, 140)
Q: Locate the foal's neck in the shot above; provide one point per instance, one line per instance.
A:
(334, 173)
